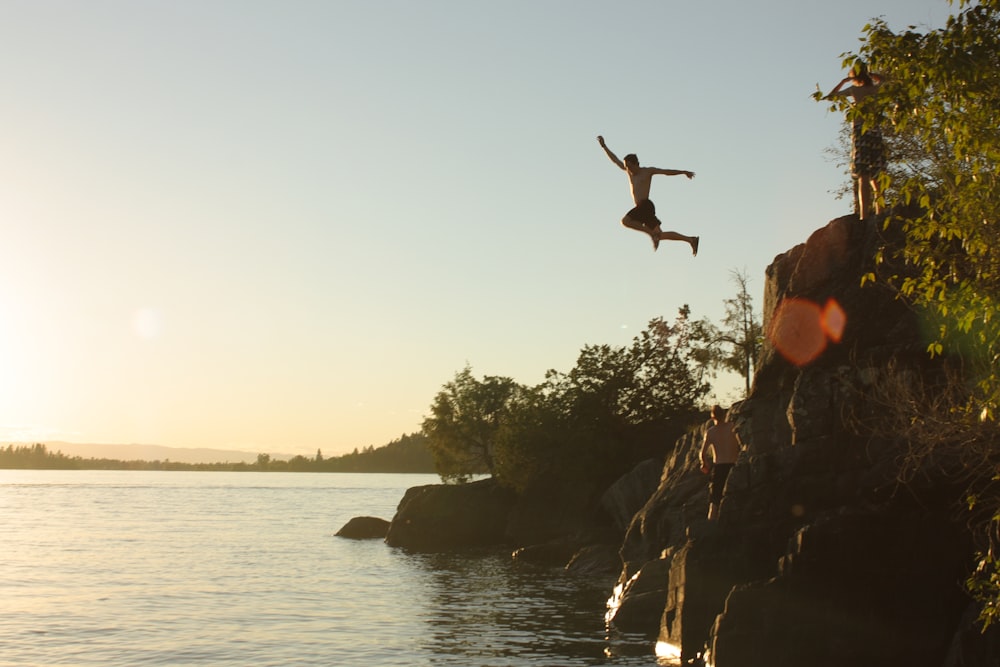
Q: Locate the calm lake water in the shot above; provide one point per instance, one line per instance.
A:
(210, 568)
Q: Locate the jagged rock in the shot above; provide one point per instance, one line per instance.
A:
(631, 491)
(442, 517)
(595, 560)
(679, 502)
(855, 589)
(364, 528)
(637, 603)
(700, 577)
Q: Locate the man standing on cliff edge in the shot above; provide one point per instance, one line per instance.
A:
(724, 445)
(643, 218)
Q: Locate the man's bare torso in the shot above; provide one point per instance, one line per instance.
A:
(640, 180)
(722, 439)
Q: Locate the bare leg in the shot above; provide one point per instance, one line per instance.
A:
(867, 196)
(674, 236)
(632, 223)
(864, 199)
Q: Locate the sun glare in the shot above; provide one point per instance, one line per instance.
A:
(147, 323)
(801, 329)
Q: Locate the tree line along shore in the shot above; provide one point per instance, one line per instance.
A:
(408, 454)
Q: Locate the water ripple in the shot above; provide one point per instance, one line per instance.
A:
(163, 568)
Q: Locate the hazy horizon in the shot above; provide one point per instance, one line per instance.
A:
(146, 452)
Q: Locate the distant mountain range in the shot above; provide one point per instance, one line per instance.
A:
(155, 453)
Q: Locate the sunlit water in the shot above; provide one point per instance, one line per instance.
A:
(206, 568)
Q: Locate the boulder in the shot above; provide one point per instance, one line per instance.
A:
(445, 517)
(364, 528)
(637, 604)
(595, 560)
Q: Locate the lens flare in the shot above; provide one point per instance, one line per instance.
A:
(834, 320)
(801, 329)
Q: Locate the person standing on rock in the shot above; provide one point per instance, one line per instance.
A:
(719, 451)
(643, 218)
(867, 148)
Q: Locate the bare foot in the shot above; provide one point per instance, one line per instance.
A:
(694, 246)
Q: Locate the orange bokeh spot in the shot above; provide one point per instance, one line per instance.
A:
(800, 329)
(834, 320)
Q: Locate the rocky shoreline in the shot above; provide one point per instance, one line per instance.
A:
(819, 556)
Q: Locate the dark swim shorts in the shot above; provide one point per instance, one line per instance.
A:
(644, 213)
(720, 473)
(867, 152)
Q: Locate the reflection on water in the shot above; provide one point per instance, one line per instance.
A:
(485, 608)
(668, 654)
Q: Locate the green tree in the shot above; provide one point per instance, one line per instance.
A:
(533, 438)
(465, 418)
(742, 331)
(941, 101)
(663, 373)
(616, 406)
(942, 98)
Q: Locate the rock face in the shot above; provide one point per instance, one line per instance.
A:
(629, 493)
(364, 528)
(442, 517)
(818, 556)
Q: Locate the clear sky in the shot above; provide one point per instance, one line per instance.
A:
(283, 225)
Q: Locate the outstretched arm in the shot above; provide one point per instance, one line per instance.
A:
(611, 156)
(837, 89)
(674, 172)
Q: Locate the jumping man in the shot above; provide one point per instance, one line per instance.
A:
(643, 218)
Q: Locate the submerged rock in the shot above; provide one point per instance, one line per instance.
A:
(552, 554)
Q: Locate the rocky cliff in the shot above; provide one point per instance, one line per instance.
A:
(819, 555)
